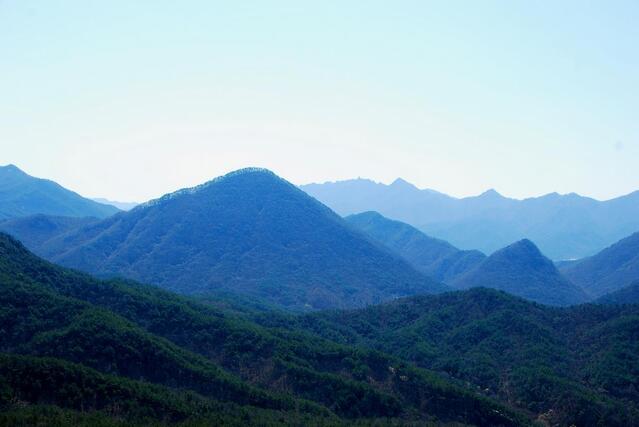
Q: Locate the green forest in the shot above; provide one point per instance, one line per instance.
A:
(131, 351)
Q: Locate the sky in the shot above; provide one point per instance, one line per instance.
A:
(129, 100)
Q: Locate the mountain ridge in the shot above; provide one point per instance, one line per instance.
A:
(564, 226)
(434, 257)
(609, 270)
(23, 195)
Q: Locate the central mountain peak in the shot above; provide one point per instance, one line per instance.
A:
(248, 232)
(249, 173)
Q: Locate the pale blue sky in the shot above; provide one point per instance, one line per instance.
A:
(131, 99)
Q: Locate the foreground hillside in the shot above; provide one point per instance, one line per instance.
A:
(566, 226)
(23, 195)
(251, 233)
(135, 352)
(568, 366)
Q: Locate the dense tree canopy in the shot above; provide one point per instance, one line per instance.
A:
(131, 332)
(576, 365)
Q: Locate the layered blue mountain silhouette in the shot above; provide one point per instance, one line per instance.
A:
(519, 269)
(248, 241)
(434, 257)
(563, 226)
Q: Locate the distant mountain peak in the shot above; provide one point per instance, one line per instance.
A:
(402, 183)
(11, 171)
(524, 244)
(368, 214)
(523, 251)
(23, 195)
(491, 193)
(521, 269)
(12, 167)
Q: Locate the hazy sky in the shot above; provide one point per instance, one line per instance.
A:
(131, 99)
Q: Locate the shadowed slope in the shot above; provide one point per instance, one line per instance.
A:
(611, 269)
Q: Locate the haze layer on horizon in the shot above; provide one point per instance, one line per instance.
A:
(130, 100)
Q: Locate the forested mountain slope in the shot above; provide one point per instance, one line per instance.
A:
(627, 295)
(568, 366)
(251, 233)
(131, 332)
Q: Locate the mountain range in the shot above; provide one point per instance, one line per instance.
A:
(23, 195)
(519, 269)
(253, 235)
(562, 226)
(413, 336)
(250, 233)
